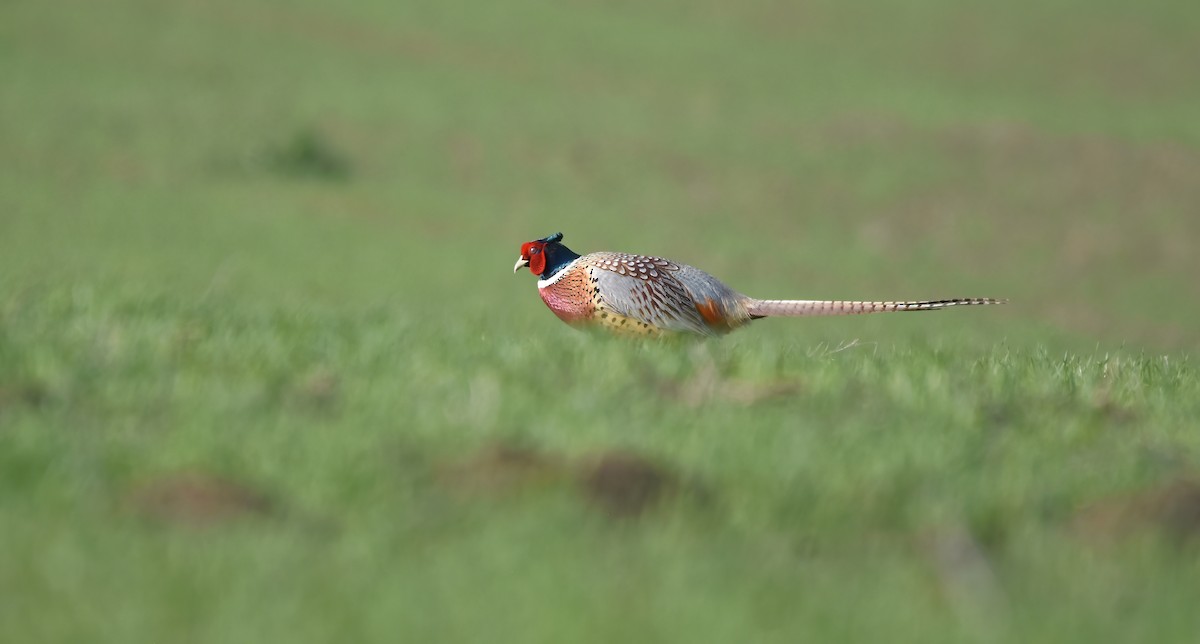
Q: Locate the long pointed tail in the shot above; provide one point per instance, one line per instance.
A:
(800, 308)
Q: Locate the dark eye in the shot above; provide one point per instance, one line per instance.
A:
(534, 251)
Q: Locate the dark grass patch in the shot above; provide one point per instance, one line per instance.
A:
(319, 391)
(619, 483)
(1170, 509)
(308, 154)
(624, 484)
(198, 500)
(23, 394)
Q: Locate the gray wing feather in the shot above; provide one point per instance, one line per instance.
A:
(703, 287)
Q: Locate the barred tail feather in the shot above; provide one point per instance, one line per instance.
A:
(801, 308)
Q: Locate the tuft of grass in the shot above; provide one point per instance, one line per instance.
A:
(309, 155)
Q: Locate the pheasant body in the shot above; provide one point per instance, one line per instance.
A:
(641, 295)
(651, 296)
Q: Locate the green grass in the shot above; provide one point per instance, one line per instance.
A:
(265, 374)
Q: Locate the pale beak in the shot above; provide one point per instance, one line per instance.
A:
(521, 263)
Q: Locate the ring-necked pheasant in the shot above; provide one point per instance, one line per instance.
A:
(643, 295)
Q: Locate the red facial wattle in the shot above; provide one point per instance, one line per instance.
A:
(537, 260)
(534, 253)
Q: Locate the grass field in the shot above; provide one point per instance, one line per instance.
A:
(265, 374)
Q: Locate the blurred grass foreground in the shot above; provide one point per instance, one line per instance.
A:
(265, 374)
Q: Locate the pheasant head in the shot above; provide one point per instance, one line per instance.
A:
(544, 257)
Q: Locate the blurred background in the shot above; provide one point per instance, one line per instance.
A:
(352, 153)
(266, 373)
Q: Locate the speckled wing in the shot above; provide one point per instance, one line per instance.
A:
(646, 289)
